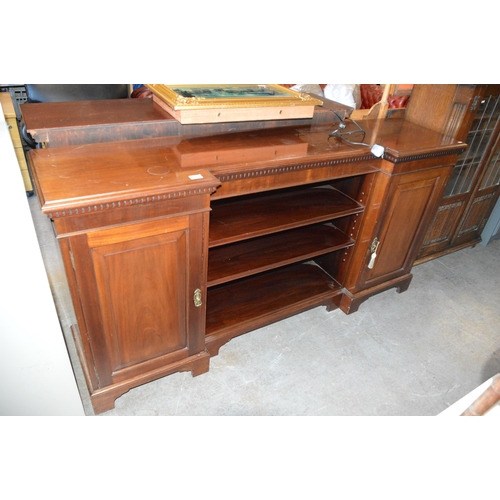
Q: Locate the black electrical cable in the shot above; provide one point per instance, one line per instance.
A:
(339, 132)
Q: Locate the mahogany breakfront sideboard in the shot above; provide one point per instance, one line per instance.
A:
(175, 244)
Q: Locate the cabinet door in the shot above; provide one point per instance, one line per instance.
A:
(484, 196)
(412, 201)
(137, 285)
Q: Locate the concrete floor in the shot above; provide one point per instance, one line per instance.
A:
(414, 353)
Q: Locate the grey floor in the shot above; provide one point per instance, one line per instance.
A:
(409, 354)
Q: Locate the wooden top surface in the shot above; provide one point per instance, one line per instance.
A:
(55, 115)
(95, 173)
(84, 122)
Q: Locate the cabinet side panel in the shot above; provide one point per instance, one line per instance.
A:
(443, 108)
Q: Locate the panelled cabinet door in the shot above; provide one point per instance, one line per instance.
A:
(140, 291)
(412, 201)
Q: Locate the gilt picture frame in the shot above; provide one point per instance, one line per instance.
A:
(211, 103)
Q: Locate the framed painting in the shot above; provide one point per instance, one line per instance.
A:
(212, 103)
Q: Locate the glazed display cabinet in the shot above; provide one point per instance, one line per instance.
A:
(469, 113)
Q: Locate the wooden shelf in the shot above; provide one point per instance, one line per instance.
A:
(248, 257)
(260, 251)
(243, 305)
(241, 218)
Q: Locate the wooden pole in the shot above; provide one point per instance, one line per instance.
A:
(384, 104)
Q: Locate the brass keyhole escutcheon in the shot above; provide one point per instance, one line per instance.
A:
(197, 298)
(373, 250)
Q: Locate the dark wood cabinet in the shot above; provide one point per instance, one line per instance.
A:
(469, 113)
(410, 202)
(135, 255)
(141, 302)
(173, 247)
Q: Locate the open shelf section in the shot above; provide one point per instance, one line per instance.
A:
(249, 303)
(240, 218)
(248, 257)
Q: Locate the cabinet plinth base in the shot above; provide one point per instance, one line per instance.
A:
(350, 302)
(104, 399)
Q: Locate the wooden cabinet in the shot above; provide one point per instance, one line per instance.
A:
(469, 113)
(133, 236)
(10, 117)
(409, 203)
(140, 300)
(173, 247)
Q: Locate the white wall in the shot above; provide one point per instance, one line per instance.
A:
(36, 377)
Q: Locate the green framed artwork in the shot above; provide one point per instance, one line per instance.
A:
(210, 103)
